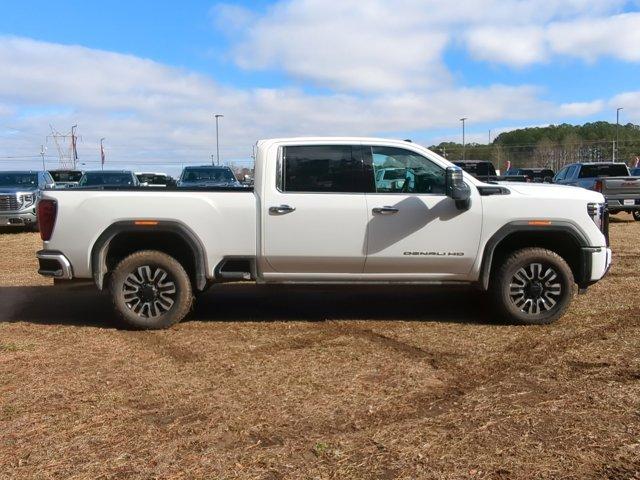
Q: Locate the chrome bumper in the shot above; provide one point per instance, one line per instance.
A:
(54, 264)
(17, 219)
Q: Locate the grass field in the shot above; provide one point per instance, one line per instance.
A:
(275, 383)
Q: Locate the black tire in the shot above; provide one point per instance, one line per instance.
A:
(151, 290)
(533, 286)
(636, 215)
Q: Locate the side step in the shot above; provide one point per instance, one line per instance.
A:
(236, 269)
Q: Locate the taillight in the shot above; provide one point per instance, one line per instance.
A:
(47, 212)
(598, 186)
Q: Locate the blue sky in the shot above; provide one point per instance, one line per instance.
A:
(149, 75)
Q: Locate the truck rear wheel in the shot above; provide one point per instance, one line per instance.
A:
(533, 286)
(151, 290)
(636, 215)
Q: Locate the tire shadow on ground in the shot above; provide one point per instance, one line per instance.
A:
(84, 306)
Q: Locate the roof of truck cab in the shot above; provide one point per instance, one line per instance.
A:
(206, 166)
(599, 163)
(334, 139)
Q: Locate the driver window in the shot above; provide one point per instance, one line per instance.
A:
(402, 171)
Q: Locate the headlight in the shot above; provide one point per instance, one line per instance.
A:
(598, 213)
(28, 199)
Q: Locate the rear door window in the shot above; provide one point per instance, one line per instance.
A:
(325, 168)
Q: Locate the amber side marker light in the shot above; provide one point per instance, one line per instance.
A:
(540, 223)
(146, 223)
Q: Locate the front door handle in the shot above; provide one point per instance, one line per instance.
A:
(386, 210)
(281, 209)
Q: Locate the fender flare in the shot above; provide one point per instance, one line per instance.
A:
(101, 247)
(524, 226)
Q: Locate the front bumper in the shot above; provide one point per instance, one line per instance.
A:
(54, 264)
(596, 262)
(17, 219)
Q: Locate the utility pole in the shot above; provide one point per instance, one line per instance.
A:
(218, 116)
(463, 119)
(617, 144)
(42, 152)
(74, 148)
(489, 136)
(102, 155)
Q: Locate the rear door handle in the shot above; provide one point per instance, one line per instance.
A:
(386, 210)
(281, 209)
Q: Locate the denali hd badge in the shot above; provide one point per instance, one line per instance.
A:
(436, 254)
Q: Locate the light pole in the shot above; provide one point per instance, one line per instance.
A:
(42, 152)
(615, 150)
(218, 116)
(463, 119)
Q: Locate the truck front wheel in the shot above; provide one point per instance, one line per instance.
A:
(533, 286)
(636, 215)
(151, 290)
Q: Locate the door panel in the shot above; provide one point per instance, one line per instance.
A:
(414, 228)
(325, 233)
(314, 216)
(427, 235)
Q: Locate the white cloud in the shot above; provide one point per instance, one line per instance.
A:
(617, 36)
(151, 112)
(516, 46)
(581, 109)
(391, 45)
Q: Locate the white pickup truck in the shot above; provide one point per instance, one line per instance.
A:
(317, 216)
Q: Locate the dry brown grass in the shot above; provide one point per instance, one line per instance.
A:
(319, 383)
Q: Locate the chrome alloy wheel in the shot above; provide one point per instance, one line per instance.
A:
(535, 288)
(149, 291)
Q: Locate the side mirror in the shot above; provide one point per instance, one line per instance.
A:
(457, 189)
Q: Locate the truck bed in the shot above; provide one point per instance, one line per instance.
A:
(224, 220)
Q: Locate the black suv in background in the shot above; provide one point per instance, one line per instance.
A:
(533, 174)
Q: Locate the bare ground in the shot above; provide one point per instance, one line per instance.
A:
(274, 383)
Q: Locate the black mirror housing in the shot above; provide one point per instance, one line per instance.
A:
(457, 189)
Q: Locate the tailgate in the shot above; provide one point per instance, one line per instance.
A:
(621, 187)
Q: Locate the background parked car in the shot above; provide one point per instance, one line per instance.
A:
(19, 193)
(208, 176)
(155, 180)
(108, 178)
(612, 179)
(66, 178)
(484, 171)
(534, 174)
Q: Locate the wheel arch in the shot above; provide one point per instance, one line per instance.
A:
(564, 238)
(126, 237)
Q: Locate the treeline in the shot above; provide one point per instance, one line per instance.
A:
(553, 146)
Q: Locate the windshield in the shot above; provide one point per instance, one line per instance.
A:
(153, 179)
(605, 170)
(17, 179)
(480, 168)
(220, 175)
(66, 176)
(106, 178)
(538, 173)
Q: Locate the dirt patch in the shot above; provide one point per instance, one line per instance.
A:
(278, 383)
